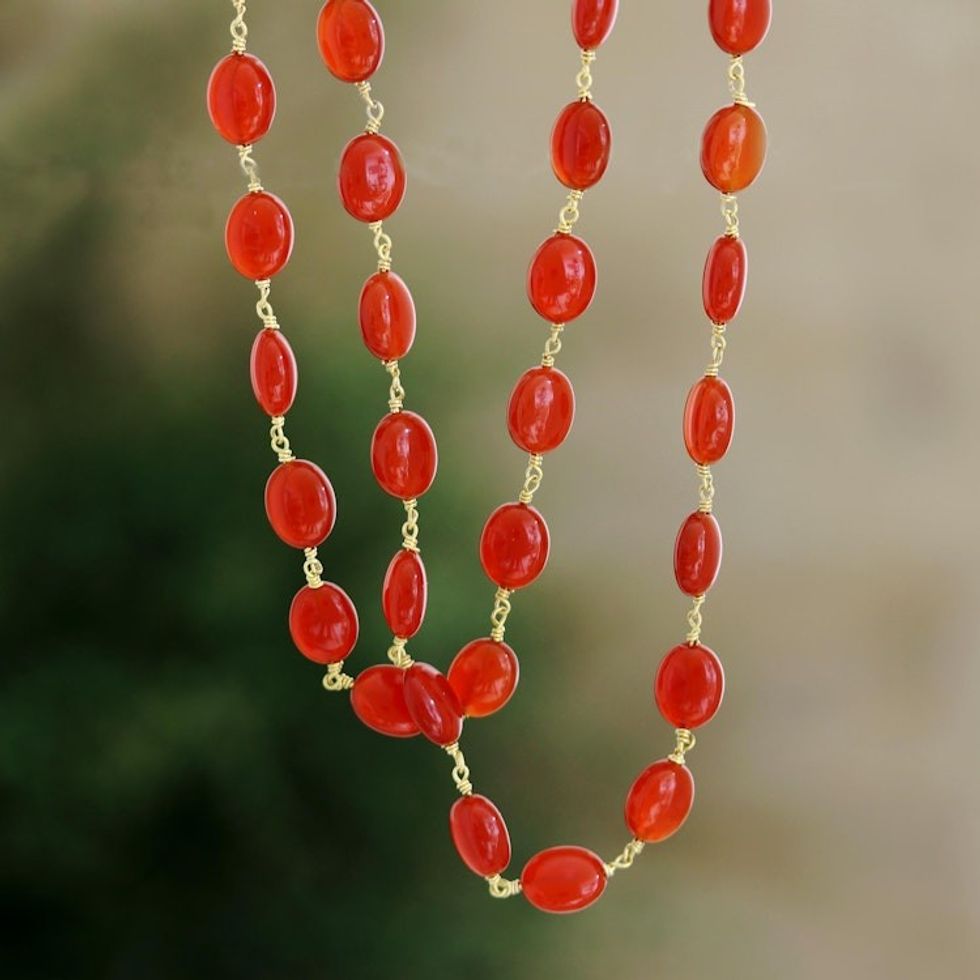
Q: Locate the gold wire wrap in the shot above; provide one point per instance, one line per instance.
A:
(278, 441)
(552, 346)
(685, 742)
(396, 393)
(584, 78)
(719, 344)
(624, 860)
(375, 110)
(729, 211)
(706, 491)
(533, 476)
(263, 307)
(410, 529)
(503, 887)
(694, 620)
(335, 680)
(313, 569)
(461, 772)
(736, 82)
(397, 653)
(569, 213)
(249, 167)
(382, 245)
(239, 29)
(498, 617)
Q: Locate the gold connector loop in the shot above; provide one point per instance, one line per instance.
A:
(335, 680)
(461, 772)
(569, 214)
(410, 529)
(239, 29)
(375, 110)
(729, 211)
(719, 345)
(736, 82)
(695, 621)
(397, 653)
(503, 887)
(382, 245)
(249, 167)
(396, 393)
(263, 307)
(313, 569)
(278, 441)
(685, 742)
(584, 78)
(624, 860)
(706, 491)
(552, 346)
(533, 476)
(498, 618)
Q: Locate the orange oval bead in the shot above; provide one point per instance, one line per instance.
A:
(404, 456)
(514, 546)
(689, 686)
(697, 553)
(432, 704)
(480, 835)
(378, 699)
(404, 594)
(272, 368)
(541, 410)
(659, 801)
(709, 420)
(241, 99)
(563, 879)
(593, 21)
(351, 39)
(387, 316)
(725, 274)
(581, 142)
(484, 675)
(371, 179)
(738, 26)
(733, 148)
(323, 623)
(300, 503)
(561, 280)
(259, 235)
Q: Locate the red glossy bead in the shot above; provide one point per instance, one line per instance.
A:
(514, 546)
(323, 623)
(480, 835)
(733, 148)
(273, 371)
(593, 21)
(300, 503)
(725, 274)
(562, 278)
(484, 675)
(738, 26)
(387, 315)
(404, 594)
(541, 410)
(404, 457)
(581, 142)
(241, 99)
(259, 235)
(371, 179)
(659, 801)
(709, 420)
(378, 699)
(689, 686)
(432, 704)
(563, 879)
(351, 39)
(697, 554)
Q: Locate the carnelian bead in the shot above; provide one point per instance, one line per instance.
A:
(371, 179)
(404, 457)
(709, 420)
(593, 21)
(563, 879)
(659, 801)
(541, 410)
(351, 39)
(378, 699)
(259, 235)
(404, 593)
(241, 99)
(725, 272)
(387, 315)
(432, 704)
(697, 553)
(689, 686)
(733, 148)
(300, 503)
(273, 371)
(514, 545)
(581, 142)
(738, 26)
(484, 675)
(323, 623)
(561, 280)
(480, 835)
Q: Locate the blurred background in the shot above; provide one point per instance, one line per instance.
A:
(178, 795)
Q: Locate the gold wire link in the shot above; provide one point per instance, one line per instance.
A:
(736, 81)
(706, 491)
(695, 620)
(375, 110)
(624, 860)
(685, 742)
(313, 569)
(382, 245)
(263, 307)
(569, 214)
(397, 653)
(410, 529)
(278, 440)
(584, 78)
(336, 680)
(503, 887)
(239, 29)
(461, 772)
(533, 476)
(249, 167)
(396, 393)
(552, 346)
(729, 211)
(718, 346)
(501, 610)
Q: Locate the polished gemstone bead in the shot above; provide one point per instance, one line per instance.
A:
(592, 21)
(709, 420)
(697, 553)
(259, 235)
(659, 801)
(733, 148)
(480, 835)
(725, 273)
(581, 142)
(241, 99)
(514, 545)
(433, 705)
(689, 685)
(738, 26)
(378, 699)
(404, 593)
(404, 457)
(300, 503)
(563, 879)
(351, 39)
(273, 371)
(371, 179)
(484, 675)
(541, 410)
(323, 623)
(562, 278)
(387, 315)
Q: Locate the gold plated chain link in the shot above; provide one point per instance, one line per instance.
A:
(685, 742)
(375, 110)
(569, 214)
(624, 860)
(503, 887)
(736, 82)
(694, 620)
(584, 78)
(501, 610)
(239, 29)
(461, 771)
(278, 441)
(335, 680)
(552, 346)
